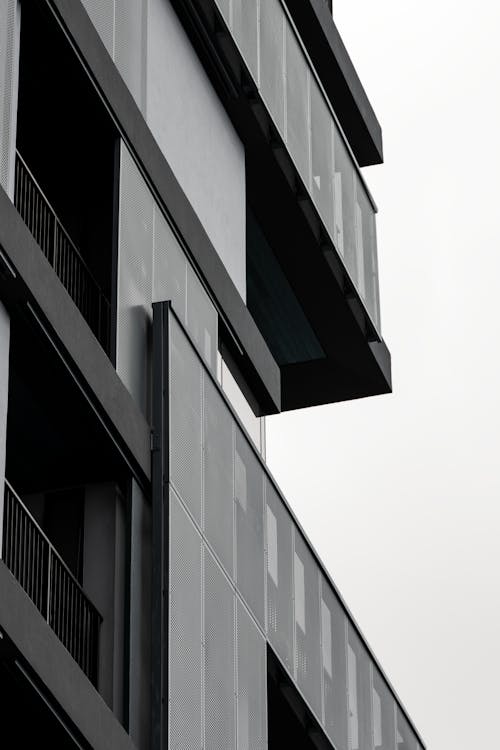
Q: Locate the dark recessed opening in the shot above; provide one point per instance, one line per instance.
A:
(65, 165)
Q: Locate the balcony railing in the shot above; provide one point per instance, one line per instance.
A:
(61, 252)
(49, 583)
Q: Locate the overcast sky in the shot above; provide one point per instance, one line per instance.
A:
(400, 494)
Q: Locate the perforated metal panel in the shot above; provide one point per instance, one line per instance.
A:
(334, 665)
(219, 686)
(369, 285)
(185, 645)
(322, 156)
(135, 281)
(251, 683)
(405, 739)
(272, 24)
(185, 420)
(130, 46)
(307, 624)
(201, 320)
(359, 693)
(384, 730)
(279, 577)
(218, 474)
(344, 236)
(245, 29)
(9, 67)
(249, 503)
(102, 14)
(297, 104)
(169, 266)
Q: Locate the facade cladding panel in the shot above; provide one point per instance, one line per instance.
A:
(121, 24)
(278, 593)
(185, 673)
(9, 69)
(249, 503)
(152, 266)
(279, 577)
(307, 624)
(186, 423)
(251, 683)
(135, 282)
(218, 508)
(197, 137)
(334, 663)
(219, 653)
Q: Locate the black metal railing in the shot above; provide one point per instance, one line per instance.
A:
(49, 583)
(61, 252)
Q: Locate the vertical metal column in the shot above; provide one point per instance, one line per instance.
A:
(160, 531)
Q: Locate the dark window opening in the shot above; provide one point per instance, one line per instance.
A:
(65, 166)
(290, 723)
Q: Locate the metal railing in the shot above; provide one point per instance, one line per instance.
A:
(49, 583)
(61, 252)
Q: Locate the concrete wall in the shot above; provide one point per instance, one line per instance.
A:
(4, 396)
(196, 137)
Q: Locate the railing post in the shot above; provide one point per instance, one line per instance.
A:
(55, 251)
(49, 575)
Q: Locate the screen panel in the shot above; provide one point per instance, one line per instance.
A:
(272, 25)
(185, 421)
(334, 664)
(219, 687)
(384, 729)
(279, 577)
(251, 683)
(185, 651)
(359, 693)
(307, 624)
(218, 510)
(249, 504)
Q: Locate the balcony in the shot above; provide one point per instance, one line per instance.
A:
(49, 583)
(61, 252)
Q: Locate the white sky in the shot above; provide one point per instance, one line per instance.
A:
(400, 494)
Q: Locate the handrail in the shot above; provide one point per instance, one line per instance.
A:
(50, 545)
(33, 560)
(59, 223)
(61, 252)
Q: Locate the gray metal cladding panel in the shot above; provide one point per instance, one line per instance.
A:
(249, 502)
(9, 60)
(169, 266)
(279, 577)
(135, 282)
(185, 420)
(344, 238)
(272, 24)
(405, 739)
(218, 509)
(251, 683)
(322, 156)
(219, 645)
(384, 728)
(307, 624)
(130, 46)
(201, 320)
(185, 645)
(297, 104)
(102, 14)
(334, 665)
(359, 693)
(245, 29)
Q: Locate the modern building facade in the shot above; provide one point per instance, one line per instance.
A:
(187, 244)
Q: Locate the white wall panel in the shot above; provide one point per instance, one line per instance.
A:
(196, 137)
